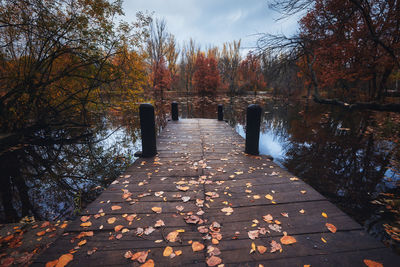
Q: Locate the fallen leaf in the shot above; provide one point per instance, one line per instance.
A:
(268, 196)
(50, 263)
(159, 223)
(83, 242)
(261, 249)
(178, 252)
(128, 254)
(92, 251)
(287, 240)
(156, 209)
(331, 227)
(172, 236)
(253, 248)
(180, 208)
(118, 228)
(167, 251)
(275, 246)
(253, 234)
(213, 261)
(149, 263)
(323, 240)
(303, 191)
(197, 246)
(371, 263)
(324, 215)
(64, 260)
(86, 224)
(183, 188)
(85, 218)
(116, 207)
(41, 233)
(227, 210)
(284, 214)
(185, 199)
(268, 218)
(111, 220)
(143, 256)
(149, 230)
(130, 218)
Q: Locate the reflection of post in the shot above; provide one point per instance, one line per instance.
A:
(148, 130)
(253, 120)
(174, 111)
(220, 112)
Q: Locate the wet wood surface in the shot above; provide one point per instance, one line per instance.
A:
(201, 170)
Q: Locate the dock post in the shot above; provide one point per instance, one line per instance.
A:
(220, 112)
(174, 111)
(148, 130)
(253, 120)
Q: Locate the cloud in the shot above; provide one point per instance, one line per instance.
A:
(212, 22)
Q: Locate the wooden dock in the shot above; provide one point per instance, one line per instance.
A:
(201, 177)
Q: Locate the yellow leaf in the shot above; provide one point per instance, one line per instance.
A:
(324, 215)
(156, 209)
(323, 240)
(167, 251)
(253, 247)
(268, 196)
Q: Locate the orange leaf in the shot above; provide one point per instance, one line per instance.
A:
(213, 261)
(149, 263)
(41, 233)
(172, 236)
(156, 209)
(116, 207)
(111, 220)
(86, 224)
(85, 218)
(371, 263)
(287, 240)
(331, 227)
(83, 242)
(118, 228)
(64, 260)
(52, 263)
(197, 246)
(324, 215)
(261, 249)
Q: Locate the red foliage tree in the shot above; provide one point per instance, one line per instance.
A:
(161, 78)
(206, 77)
(251, 77)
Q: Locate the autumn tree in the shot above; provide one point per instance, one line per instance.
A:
(250, 74)
(350, 48)
(229, 64)
(187, 65)
(206, 76)
(56, 62)
(161, 78)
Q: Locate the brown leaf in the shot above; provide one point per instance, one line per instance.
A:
(275, 246)
(197, 246)
(213, 261)
(64, 260)
(371, 263)
(261, 249)
(167, 251)
(46, 224)
(287, 240)
(331, 227)
(41, 233)
(116, 207)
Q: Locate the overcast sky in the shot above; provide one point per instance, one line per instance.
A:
(214, 22)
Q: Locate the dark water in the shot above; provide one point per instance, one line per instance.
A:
(351, 157)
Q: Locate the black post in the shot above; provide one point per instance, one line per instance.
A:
(174, 111)
(148, 130)
(220, 112)
(253, 120)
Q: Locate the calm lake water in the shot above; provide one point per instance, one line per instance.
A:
(351, 157)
